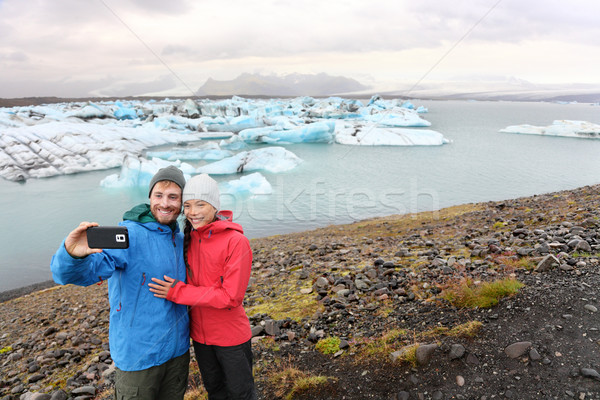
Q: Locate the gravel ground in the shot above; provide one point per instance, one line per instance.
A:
(360, 282)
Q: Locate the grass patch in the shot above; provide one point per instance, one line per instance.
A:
(583, 254)
(328, 345)
(381, 347)
(484, 295)
(292, 382)
(287, 302)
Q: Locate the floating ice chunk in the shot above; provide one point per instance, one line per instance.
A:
(208, 151)
(563, 128)
(311, 133)
(233, 143)
(138, 171)
(176, 122)
(401, 117)
(254, 184)
(272, 159)
(371, 135)
(88, 112)
(235, 124)
(422, 110)
(123, 112)
(190, 109)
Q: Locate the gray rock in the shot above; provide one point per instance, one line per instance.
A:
(361, 285)
(403, 395)
(424, 353)
(17, 389)
(321, 282)
(59, 395)
(583, 246)
(36, 377)
(40, 396)
(516, 350)
(547, 263)
(524, 251)
(534, 355)
(590, 373)
(591, 308)
(257, 330)
(271, 328)
(85, 390)
(456, 351)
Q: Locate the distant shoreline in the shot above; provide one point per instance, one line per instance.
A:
(22, 291)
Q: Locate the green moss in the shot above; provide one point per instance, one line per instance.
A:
(328, 345)
(5, 349)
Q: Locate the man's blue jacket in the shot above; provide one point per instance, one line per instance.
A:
(144, 330)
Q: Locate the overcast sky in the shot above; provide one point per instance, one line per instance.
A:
(135, 47)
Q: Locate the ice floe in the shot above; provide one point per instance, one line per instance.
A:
(374, 135)
(272, 159)
(253, 184)
(563, 128)
(138, 171)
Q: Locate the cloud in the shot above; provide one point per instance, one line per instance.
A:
(69, 41)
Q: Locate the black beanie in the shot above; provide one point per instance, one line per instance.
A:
(169, 173)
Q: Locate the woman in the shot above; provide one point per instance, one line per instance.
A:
(218, 259)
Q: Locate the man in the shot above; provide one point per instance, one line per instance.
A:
(149, 337)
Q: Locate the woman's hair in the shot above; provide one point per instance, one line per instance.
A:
(187, 229)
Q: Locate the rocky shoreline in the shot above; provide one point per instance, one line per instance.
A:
(22, 291)
(373, 290)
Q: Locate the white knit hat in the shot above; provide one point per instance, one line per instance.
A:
(202, 187)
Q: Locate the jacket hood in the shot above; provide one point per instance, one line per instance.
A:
(142, 214)
(224, 222)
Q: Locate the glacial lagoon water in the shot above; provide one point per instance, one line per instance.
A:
(335, 184)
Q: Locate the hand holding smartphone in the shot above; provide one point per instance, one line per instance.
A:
(107, 237)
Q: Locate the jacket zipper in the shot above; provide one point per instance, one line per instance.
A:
(137, 298)
(174, 305)
(200, 308)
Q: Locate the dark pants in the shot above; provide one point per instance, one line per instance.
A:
(226, 371)
(167, 381)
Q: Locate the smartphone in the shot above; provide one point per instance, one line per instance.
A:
(108, 237)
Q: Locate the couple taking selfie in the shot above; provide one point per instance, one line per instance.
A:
(168, 286)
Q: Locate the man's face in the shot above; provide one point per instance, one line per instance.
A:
(165, 202)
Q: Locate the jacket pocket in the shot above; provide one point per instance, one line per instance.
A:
(127, 392)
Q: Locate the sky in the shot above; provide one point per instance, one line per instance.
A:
(74, 48)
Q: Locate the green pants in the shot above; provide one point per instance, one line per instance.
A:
(167, 381)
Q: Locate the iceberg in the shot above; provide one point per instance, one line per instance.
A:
(401, 117)
(563, 128)
(254, 184)
(317, 132)
(372, 135)
(138, 171)
(272, 159)
(62, 147)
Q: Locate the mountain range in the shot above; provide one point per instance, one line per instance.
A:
(289, 85)
(322, 84)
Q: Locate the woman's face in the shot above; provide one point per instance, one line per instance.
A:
(199, 212)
